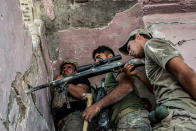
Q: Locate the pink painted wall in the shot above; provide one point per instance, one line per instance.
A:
(21, 65)
(180, 29)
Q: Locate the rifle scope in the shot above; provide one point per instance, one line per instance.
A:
(100, 62)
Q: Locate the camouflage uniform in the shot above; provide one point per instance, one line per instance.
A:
(178, 120)
(128, 114)
(134, 121)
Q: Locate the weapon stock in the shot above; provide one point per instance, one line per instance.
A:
(108, 67)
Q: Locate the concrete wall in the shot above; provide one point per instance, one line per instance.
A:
(71, 14)
(21, 65)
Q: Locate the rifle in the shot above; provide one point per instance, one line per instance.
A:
(94, 71)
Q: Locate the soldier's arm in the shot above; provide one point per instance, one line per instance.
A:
(185, 74)
(77, 90)
(124, 87)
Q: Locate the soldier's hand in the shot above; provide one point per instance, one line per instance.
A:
(59, 77)
(130, 70)
(90, 112)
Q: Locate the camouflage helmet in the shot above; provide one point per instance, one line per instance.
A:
(123, 48)
(69, 61)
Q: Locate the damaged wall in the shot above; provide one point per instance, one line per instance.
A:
(174, 20)
(22, 63)
(73, 14)
(179, 28)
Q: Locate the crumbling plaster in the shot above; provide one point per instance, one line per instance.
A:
(69, 14)
(23, 62)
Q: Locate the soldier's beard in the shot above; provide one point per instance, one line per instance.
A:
(65, 75)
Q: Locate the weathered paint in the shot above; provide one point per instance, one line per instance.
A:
(179, 28)
(15, 49)
(21, 65)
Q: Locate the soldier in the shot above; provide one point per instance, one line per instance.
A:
(173, 81)
(70, 119)
(126, 111)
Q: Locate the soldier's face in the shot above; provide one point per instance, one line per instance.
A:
(102, 56)
(135, 49)
(68, 69)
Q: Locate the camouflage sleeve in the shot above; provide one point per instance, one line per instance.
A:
(160, 51)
